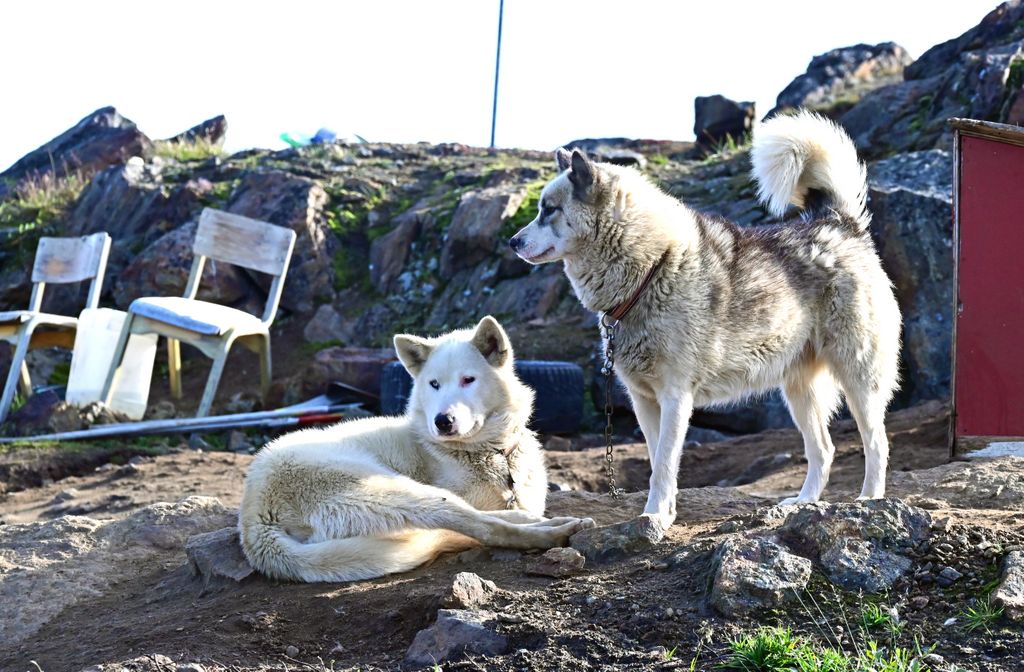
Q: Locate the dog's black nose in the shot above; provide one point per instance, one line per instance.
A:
(444, 422)
(515, 242)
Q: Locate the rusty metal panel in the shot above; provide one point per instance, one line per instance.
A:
(988, 378)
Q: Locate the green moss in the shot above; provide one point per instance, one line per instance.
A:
(657, 159)
(527, 210)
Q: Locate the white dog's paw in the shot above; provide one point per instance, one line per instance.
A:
(793, 501)
(868, 498)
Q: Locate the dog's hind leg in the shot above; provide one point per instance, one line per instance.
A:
(812, 396)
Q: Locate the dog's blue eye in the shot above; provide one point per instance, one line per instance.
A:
(434, 384)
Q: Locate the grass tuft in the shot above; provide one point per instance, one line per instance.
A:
(198, 149)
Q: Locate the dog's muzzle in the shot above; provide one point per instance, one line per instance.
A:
(445, 424)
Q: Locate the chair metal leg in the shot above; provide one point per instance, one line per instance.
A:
(115, 363)
(25, 380)
(174, 366)
(213, 381)
(265, 368)
(14, 375)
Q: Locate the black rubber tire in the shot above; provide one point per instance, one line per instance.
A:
(557, 409)
(395, 387)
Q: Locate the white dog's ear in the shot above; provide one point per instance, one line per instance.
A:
(413, 352)
(563, 158)
(492, 342)
(581, 174)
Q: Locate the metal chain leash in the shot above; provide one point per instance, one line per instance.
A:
(608, 329)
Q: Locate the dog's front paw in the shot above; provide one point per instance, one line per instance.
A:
(793, 501)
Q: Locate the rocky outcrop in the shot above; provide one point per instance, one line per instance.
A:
(358, 367)
(910, 199)
(717, 119)
(296, 203)
(977, 75)
(473, 233)
(101, 139)
(861, 546)
(211, 131)
(162, 269)
(837, 79)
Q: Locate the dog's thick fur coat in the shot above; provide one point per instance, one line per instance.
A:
(370, 497)
(804, 306)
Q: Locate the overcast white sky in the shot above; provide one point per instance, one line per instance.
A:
(408, 70)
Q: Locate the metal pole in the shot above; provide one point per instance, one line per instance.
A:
(497, 69)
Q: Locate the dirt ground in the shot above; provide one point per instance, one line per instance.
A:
(612, 616)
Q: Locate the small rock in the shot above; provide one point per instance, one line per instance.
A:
(919, 602)
(1010, 593)
(65, 495)
(756, 574)
(478, 554)
(217, 555)
(238, 442)
(291, 651)
(161, 410)
(190, 667)
(468, 591)
(934, 659)
(947, 577)
(558, 443)
(456, 632)
(558, 563)
(610, 542)
(949, 621)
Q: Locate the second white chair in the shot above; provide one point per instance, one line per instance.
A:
(211, 327)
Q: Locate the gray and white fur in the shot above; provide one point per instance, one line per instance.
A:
(804, 306)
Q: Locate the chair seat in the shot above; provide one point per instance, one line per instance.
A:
(22, 316)
(202, 317)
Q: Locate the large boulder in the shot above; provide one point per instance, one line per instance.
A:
(859, 546)
(212, 131)
(296, 203)
(835, 80)
(1003, 24)
(59, 562)
(101, 139)
(358, 367)
(472, 235)
(162, 269)
(717, 118)
(755, 574)
(976, 75)
(388, 253)
(910, 198)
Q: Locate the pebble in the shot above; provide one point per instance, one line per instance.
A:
(919, 602)
(947, 576)
(934, 659)
(949, 621)
(291, 651)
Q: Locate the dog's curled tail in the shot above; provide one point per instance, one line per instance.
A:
(274, 553)
(809, 161)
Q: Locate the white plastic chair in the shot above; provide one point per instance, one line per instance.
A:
(58, 261)
(211, 327)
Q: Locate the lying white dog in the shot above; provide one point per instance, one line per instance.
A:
(370, 497)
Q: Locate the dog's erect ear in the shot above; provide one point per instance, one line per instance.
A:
(563, 158)
(413, 352)
(492, 342)
(581, 174)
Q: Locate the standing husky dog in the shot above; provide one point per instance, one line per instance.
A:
(715, 312)
(369, 497)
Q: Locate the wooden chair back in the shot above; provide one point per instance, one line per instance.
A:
(249, 243)
(66, 260)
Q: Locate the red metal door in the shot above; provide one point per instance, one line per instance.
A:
(989, 357)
